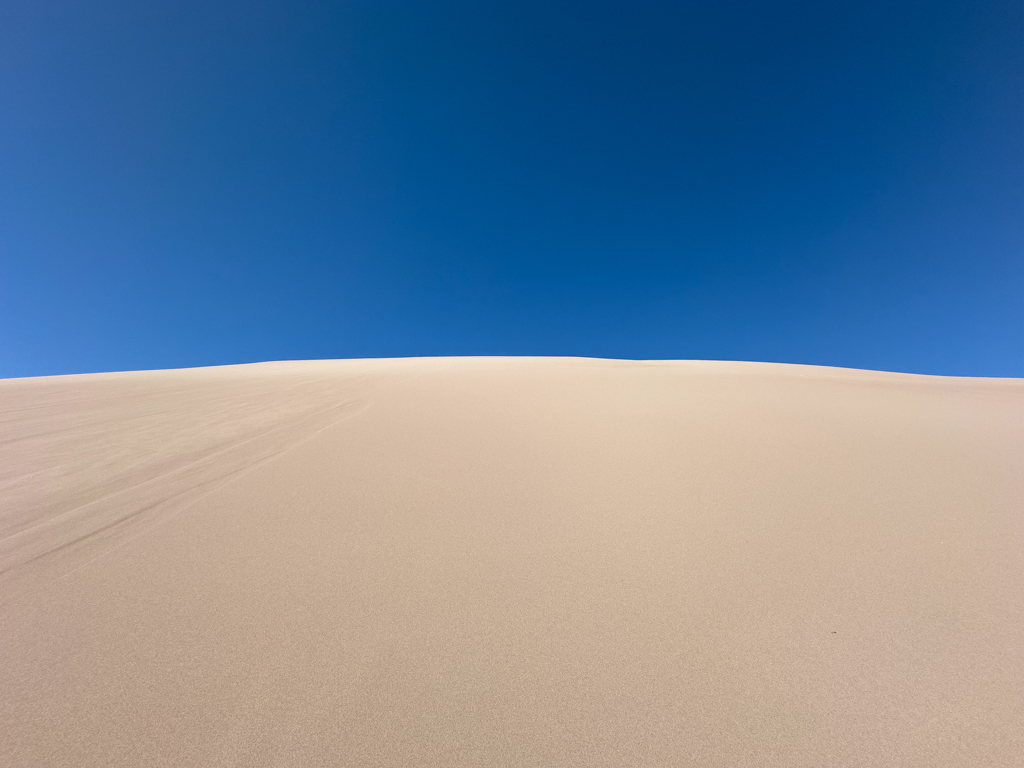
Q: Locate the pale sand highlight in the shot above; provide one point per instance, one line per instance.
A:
(511, 562)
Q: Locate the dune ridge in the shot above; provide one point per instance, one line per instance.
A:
(512, 561)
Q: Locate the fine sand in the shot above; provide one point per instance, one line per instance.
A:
(511, 562)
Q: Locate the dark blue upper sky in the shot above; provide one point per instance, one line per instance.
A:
(198, 182)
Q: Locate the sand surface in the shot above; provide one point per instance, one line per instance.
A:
(511, 562)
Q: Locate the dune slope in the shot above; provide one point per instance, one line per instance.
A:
(511, 562)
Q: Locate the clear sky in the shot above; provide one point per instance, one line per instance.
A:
(200, 182)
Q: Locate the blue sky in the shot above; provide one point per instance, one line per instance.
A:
(200, 183)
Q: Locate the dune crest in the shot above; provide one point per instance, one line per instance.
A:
(511, 561)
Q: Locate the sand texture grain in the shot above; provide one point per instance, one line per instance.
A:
(511, 562)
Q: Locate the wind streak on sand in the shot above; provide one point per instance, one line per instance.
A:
(88, 462)
(511, 561)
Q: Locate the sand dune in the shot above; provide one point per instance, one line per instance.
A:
(511, 562)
